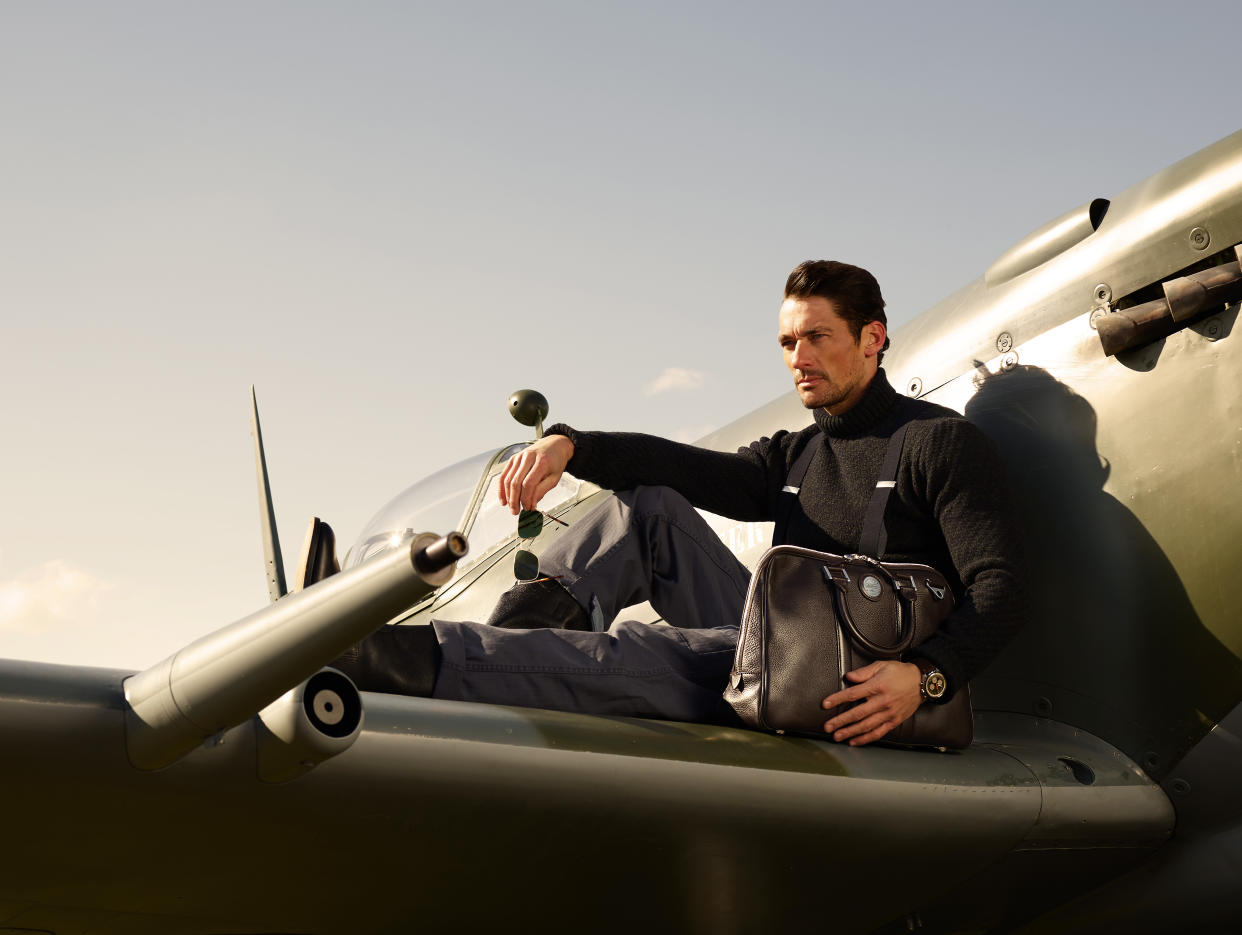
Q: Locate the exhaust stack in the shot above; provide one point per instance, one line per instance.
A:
(1184, 298)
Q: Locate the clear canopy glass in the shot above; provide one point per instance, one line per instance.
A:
(434, 504)
(442, 502)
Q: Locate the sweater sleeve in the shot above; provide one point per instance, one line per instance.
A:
(741, 486)
(972, 503)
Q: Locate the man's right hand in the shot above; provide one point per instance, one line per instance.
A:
(534, 471)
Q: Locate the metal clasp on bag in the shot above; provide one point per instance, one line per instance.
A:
(906, 583)
(831, 572)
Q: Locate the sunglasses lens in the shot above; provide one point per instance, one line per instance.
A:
(525, 565)
(530, 524)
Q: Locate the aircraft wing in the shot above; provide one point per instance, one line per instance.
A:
(455, 816)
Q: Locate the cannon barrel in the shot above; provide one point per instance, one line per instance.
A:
(226, 677)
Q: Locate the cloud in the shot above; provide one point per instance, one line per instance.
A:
(49, 597)
(675, 378)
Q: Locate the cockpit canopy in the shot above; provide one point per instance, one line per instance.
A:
(461, 497)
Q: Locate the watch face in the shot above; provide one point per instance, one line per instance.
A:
(934, 684)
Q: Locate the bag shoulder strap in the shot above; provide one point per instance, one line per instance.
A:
(793, 487)
(874, 536)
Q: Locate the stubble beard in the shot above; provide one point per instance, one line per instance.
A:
(825, 396)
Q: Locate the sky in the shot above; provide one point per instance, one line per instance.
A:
(389, 216)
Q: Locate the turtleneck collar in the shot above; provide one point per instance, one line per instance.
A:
(875, 404)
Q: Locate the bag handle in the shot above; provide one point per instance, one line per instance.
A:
(838, 577)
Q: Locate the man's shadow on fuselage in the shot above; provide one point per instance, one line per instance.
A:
(1113, 643)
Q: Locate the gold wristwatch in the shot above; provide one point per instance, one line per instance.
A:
(933, 684)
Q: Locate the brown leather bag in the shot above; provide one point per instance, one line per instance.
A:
(810, 617)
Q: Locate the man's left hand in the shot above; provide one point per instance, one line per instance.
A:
(889, 693)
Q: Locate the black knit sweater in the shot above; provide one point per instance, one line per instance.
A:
(950, 509)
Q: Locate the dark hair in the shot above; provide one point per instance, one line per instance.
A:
(853, 291)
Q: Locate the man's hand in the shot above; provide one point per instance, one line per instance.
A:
(891, 694)
(534, 471)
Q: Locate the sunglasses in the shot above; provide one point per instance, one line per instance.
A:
(525, 562)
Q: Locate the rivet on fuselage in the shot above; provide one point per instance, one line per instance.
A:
(1004, 342)
(915, 387)
(1200, 238)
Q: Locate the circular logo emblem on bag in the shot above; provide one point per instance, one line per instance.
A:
(871, 586)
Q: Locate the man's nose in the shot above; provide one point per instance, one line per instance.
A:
(800, 357)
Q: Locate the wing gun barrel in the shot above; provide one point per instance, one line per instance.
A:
(225, 678)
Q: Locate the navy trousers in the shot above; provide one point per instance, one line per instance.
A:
(646, 544)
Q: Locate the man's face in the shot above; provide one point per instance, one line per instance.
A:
(831, 368)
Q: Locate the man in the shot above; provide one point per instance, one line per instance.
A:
(948, 510)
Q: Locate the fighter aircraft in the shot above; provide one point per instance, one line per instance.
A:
(240, 787)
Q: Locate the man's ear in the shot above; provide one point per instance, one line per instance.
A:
(873, 336)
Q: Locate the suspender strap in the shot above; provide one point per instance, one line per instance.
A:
(793, 484)
(874, 536)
